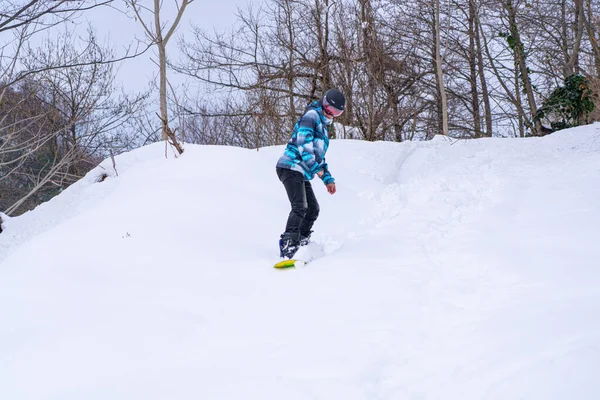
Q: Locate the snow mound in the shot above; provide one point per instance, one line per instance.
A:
(446, 270)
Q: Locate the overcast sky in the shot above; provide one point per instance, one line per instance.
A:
(122, 31)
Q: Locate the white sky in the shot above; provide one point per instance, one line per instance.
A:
(121, 31)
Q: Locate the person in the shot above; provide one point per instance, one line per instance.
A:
(303, 158)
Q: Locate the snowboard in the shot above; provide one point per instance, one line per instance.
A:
(304, 255)
(290, 264)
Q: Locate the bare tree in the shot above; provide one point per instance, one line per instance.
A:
(28, 129)
(86, 95)
(409, 69)
(279, 58)
(57, 124)
(159, 35)
(38, 15)
(22, 20)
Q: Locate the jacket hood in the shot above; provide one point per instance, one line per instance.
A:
(317, 105)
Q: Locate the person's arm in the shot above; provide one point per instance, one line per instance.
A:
(327, 179)
(325, 175)
(304, 141)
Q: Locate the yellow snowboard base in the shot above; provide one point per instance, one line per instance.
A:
(289, 264)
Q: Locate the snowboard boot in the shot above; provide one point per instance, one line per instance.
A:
(288, 246)
(305, 239)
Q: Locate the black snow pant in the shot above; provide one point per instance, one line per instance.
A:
(305, 208)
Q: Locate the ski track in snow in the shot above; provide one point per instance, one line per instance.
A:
(450, 270)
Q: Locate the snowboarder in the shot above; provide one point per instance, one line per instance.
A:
(303, 158)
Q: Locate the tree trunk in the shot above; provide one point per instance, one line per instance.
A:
(592, 36)
(439, 76)
(473, 71)
(324, 69)
(513, 94)
(572, 61)
(290, 72)
(519, 54)
(160, 40)
(483, 81)
(162, 66)
(520, 115)
(373, 68)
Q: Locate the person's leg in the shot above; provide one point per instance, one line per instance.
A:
(312, 213)
(293, 182)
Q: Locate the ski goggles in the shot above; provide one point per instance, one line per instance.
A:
(331, 110)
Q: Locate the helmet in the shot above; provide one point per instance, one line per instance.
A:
(334, 102)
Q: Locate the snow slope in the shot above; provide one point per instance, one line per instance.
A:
(452, 270)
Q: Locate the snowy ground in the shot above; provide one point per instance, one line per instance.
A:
(452, 270)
